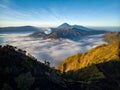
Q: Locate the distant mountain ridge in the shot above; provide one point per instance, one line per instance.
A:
(67, 31)
(66, 25)
(18, 29)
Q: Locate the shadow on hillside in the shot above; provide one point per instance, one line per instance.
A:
(97, 77)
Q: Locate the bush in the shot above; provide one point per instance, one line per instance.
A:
(24, 81)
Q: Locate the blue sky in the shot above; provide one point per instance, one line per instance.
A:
(55, 12)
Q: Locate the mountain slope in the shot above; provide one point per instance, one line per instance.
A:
(112, 37)
(21, 71)
(65, 25)
(85, 66)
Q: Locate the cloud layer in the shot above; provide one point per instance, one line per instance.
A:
(54, 51)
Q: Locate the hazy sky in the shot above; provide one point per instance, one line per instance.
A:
(55, 12)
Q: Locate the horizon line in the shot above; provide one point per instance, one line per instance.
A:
(2, 26)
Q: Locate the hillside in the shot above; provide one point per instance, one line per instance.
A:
(102, 62)
(112, 37)
(21, 71)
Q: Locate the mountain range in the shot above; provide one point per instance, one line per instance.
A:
(73, 32)
(18, 29)
(66, 25)
(66, 31)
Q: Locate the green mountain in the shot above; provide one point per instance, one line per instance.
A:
(102, 62)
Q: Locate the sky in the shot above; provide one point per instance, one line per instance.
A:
(55, 12)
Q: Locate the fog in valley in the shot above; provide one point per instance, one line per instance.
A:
(54, 51)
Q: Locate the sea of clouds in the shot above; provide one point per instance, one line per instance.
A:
(54, 51)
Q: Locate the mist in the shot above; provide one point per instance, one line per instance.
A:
(54, 51)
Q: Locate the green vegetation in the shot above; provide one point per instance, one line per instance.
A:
(24, 81)
(27, 65)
